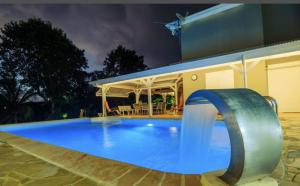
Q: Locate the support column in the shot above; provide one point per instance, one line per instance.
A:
(137, 93)
(148, 83)
(244, 71)
(150, 108)
(164, 96)
(104, 90)
(176, 94)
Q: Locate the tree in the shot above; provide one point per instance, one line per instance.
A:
(52, 66)
(123, 61)
(13, 91)
(95, 75)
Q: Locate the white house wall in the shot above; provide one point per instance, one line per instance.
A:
(219, 80)
(284, 85)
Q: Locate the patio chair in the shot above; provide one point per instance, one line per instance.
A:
(137, 108)
(121, 110)
(175, 109)
(144, 108)
(124, 109)
(128, 109)
(159, 108)
(110, 112)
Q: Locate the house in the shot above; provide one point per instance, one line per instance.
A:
(226, 46)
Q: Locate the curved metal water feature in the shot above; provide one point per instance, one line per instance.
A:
(254, 131)
(272, 102)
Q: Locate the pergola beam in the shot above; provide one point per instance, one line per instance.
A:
(178, 78)
(123, 87)
(166, 79)
(159, 85)
(117, 95)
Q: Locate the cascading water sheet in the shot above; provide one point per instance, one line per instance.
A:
(197, 127)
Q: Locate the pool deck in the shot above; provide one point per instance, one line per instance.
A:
(82, 166)
(27, 162)
(19, 168)
(291, 143)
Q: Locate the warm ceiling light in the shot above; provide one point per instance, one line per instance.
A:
(194, 77)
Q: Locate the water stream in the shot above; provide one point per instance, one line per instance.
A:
(196, 132)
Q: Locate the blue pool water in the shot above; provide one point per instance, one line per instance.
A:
(150, 143)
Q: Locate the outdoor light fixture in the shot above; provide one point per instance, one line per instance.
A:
(194, 77)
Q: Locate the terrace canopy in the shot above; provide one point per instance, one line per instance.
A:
(168, 78)
(165, 84)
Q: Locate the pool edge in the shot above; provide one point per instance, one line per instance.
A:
(101, 170)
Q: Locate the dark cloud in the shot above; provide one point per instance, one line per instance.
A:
(100, 28)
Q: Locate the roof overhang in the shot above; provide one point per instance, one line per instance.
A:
(175, 25)
(270, 52)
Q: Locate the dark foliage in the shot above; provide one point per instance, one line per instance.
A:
(119, 61)
(92, 76)
(37, 58)
(123, 61)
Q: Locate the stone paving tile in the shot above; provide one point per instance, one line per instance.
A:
(191, 180)
(20, 169)
(291, 143)
(153, 178)
(10, 182)
(108, 174)
(20, 177)
(54, 180)
(132, 177)
(172, 180)
(85, 182)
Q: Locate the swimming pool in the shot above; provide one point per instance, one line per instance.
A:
(150, 143)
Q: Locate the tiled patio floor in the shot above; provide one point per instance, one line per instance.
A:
(19, 168)
(291, 142)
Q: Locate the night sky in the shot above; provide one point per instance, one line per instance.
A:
(100, 28)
